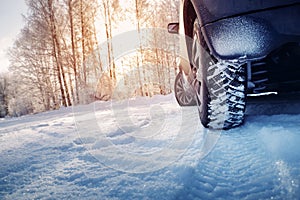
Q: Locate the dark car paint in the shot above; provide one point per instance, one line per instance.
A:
(210, 11)
(265, 24)
(266, 31)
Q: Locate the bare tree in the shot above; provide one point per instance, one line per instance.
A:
(56, 58)
(4, 85)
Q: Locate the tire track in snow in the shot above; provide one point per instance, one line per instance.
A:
(238, 168)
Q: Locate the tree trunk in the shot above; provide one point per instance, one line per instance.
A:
(74, 58)
(138, 57)
(110, 57)
(83, 43)
(57, 54)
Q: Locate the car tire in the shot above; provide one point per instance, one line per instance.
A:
(185, 95)
(221, 97)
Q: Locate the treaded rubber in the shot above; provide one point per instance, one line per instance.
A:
(226, 84)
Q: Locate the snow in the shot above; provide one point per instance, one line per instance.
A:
(150, 148)
(240, 36)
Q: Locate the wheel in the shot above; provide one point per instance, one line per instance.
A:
(184, 93)
(221, 97)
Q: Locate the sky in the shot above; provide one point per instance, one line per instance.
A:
(11, 22)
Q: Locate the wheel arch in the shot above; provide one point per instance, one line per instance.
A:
(189, 15)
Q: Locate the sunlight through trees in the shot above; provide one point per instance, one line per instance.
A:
(56, 60)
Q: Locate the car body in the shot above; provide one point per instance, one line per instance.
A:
(260, 37)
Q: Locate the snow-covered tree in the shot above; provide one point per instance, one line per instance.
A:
(56, 55)
(4, 90)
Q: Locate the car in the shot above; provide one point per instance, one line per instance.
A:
(235, 49)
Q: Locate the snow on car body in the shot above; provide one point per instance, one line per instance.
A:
(236, 48)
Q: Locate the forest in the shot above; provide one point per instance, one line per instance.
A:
(72, 52)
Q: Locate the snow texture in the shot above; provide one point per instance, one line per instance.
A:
(240, 36)
(47, 156)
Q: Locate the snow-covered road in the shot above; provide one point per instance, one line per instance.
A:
(149, 149)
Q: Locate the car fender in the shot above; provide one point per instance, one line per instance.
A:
(249, 29)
